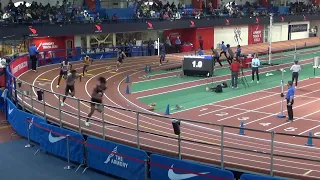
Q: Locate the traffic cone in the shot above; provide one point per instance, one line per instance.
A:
(146, 69)
(128, 79)
(309, 142)
(149, 70)
(167, 110)
(241, 130)
(127, 90)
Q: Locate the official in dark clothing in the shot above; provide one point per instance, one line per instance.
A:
(216, 56)
(150, 47)
(238, 54)
(231, 54)
(33, 57)
(290, 100)
(178, 45)
(201, 42)
(223, 49)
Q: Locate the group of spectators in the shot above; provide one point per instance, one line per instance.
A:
(66, 11)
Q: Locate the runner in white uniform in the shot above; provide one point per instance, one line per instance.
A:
(65, 67)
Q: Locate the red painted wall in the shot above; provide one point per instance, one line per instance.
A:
(56, 44)
(207, 36)
(191, 35)
(197, 4)
(255, 33)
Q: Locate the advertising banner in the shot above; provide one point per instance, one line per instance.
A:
(116, 159)
(165, 168)
(255, 34)
(19, 66)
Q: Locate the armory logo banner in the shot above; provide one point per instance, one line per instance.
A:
(116, 159)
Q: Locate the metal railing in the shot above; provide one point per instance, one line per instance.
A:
(207, 142)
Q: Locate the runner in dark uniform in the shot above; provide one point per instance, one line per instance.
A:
(96, 97)
(70, 90)
(215, 56)
(65, 67)
(162, 54)
(121, 57)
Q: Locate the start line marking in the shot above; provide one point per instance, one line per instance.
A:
(243, 118)
(222, 114)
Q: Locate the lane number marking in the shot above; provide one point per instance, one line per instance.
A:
(265, 124)
(317, 134)
(222, 114)
(243, 118)
(44, 84)
(290, 129)
(203, 109)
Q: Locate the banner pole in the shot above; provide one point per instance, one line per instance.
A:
(281, 115)
(222, 147)
(179, 145)
(68, 167)
(79, 121)
(103, 123)
(29, 145)
(146, 169)
(31, 97)
(295, 52)
(44, 104)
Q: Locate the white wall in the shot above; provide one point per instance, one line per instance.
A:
(300, 35)
(227, 34)
(279, 32)
(77, 41)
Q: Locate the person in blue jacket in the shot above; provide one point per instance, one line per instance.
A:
(200, 52)
(33, 56)
(238, 53)
(223, 50)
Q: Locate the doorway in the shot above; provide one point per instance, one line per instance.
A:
(69, 47)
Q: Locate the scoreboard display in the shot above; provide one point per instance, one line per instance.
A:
(197, 65)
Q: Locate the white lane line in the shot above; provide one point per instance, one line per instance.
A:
(308, 130)
(297, 119)
(263, 70)
(253, 101)
(186, 109)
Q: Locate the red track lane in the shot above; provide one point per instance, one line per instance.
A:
(162, 126)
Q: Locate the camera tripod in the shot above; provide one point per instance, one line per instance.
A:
(242, 79)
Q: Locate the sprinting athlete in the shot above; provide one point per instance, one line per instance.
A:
(70, 81)
(96, 98)
(65, 67)
(86, 64)
(121, 57)
(162, 54)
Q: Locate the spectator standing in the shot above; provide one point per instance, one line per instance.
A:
(156, 44)
(235, 67)
(178, 44)
(168, 44)
(290, 100)
(295, 68)
(33, 56)
(200, 52)
(201, 42)
(238, 54)
(150, 44)
(255, 67)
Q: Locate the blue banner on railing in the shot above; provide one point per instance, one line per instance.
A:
(116, 159)
(165, 168)
(18, 121)
(53, 140)
(255, 177)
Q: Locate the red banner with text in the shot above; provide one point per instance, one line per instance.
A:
(19, 66)
(255, 34)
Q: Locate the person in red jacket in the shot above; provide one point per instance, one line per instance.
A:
(235, 68)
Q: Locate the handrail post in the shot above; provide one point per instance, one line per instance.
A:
(146, 168)
(59, 109)
(69, 166)
(271, 153)
(22, 99)
(29, 123)
(44, 104)
(138, 130)
(103, 122)
(31, 98)
(79, 121)
(222, 146)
